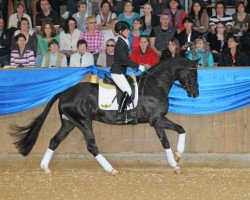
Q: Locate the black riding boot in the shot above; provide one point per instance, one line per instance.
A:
(121, 116)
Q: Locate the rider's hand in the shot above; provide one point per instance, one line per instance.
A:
(142, 68)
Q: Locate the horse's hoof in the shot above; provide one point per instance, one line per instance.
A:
(177, 156)
(46, 170)
(114, 172)
(177, 170)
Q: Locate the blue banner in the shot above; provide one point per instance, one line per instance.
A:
(221, 89)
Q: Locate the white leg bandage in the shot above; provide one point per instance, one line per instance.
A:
(46, 159)
(104, 163)
(181, 143)
(170, 157)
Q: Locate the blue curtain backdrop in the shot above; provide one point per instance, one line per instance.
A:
(221, 89)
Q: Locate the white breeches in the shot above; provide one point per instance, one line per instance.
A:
(122, 83)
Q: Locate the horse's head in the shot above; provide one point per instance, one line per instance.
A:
(188, 77)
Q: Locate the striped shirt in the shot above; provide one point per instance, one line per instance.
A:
(27, 59)
(95, 41)
(226, 19)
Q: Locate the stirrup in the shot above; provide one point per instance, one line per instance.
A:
(122, 118)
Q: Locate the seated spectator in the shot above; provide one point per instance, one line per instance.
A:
(4, 44)
(188, 35)
(106, 57)
(111, 34)
(233, 56)
(173, 50)
(240, 19)
(47, 14)
(134, 36)
(176, 15)
(81, 15)
(200, 50)
(69, 37)
(105, 17)
(220, 16)
(128, 15)
(217, 40)
(72, 5)
(245, 41)
(54, 58)
(19, 13)
(93, 37)
(160, 35)
(144, 54)
(199, 16)
(30, 35)
(149, 19)
(22, 56)
(159, 6)
(81, 58)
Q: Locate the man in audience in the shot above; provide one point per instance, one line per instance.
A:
(5, 39)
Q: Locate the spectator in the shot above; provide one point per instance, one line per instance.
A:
(81, 58)
(160, 35)
(245, 41)
(27, 6)
(200, 50)
(71, 8)
(150, 20)
(199, 16)
(5, 38)
(173, 50)
(159, 6)
(128, 15)
(69, 37)
(144, 54)
(233, 56)
(81, 15)
(188, 35)
(47, 14)
(111, 34)
(55, 5)
(106, 57)
(30, 36)
(118, 6)
(176, 15)
(105, 17)
(19, 13)
(93, 37)
(134, 36)
(220, 16)
(22, 56)
(4, 11)
(54, 58)
(240, 19)
(217, 40)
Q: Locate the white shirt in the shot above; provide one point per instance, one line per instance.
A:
(108, 34)
(13, 20)
(85, 60)
(68, 41)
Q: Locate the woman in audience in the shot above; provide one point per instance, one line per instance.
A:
(19, 13)
(173, 50)
(105, 17)
(81, 58)
(233, 56)
(106, 57)
(135, 34)
(69, 37)
(240, 19)
(81, 15)
(199, 16)
(217, 41)
(22, 56)
(128, 15)
(144, 54)
(149, 19)
(200, 50)
(54, 58)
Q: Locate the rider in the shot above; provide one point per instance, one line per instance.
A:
(119, 67)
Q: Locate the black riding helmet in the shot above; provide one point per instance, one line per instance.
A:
(121, 26)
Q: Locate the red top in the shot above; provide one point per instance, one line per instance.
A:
(149, 57)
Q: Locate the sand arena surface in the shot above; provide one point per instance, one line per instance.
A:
(75, 178)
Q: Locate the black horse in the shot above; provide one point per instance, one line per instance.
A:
(78, 107)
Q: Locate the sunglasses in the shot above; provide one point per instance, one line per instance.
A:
(110, 45)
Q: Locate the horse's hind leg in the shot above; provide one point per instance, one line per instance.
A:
(86, 129)
(63, 132)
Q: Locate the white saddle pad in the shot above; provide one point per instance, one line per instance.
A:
(107, 94)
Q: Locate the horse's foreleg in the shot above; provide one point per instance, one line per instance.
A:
(88, 133)
(65, 129)
(165, 143)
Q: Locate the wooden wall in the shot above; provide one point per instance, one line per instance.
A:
(221, 133)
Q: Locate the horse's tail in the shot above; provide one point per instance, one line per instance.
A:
(27, 135)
